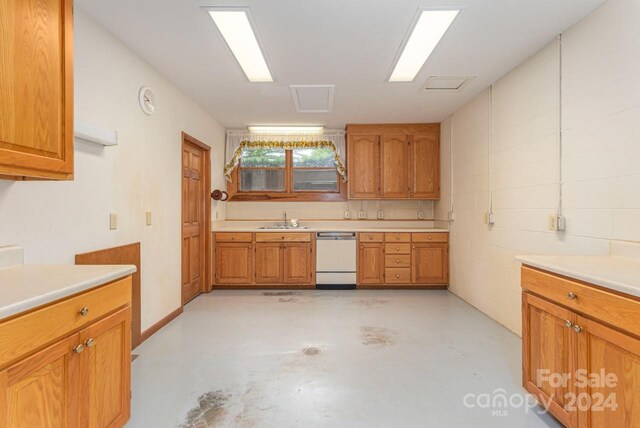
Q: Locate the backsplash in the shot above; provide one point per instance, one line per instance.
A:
(393, 210)
(628, 250)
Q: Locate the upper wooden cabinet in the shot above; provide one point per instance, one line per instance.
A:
(363, 166)
(36, 89)
(393, 161)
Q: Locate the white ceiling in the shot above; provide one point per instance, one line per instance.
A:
(349, 43)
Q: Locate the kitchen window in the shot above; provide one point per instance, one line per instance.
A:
(294, 172)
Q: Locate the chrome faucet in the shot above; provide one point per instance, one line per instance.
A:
(285, 218)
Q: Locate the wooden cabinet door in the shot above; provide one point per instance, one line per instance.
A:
(363, 162)
(548, 349)
(36, 89)
(614, 357)
(106, 372)
(424, 175)
(297, 263)
(370, 267)
(394, 166)
(430, 265)
(42, 390)
(269, 263)
(234, 263)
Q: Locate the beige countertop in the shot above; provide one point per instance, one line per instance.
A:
(616, 273)
(24, 287)
(331, 226)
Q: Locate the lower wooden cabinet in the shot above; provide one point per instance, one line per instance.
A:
(234, 263)
(79, 380)
(266, 259)
(575, 356)
(370, 264)
(403, 259)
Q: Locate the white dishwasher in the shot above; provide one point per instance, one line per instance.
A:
(336, 260)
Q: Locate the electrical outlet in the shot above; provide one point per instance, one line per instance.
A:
(562, 223)
(362, 215)
(380, 214)
(557, 223)
(489, 218)
(148, 217)
(452, 216)
(113, 221)
(420, 215)
(347, 214)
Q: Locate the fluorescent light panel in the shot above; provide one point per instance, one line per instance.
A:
(236, 29)
(286, 129)
(425, 36)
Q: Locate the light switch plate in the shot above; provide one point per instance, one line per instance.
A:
(420, 215)
(113, 221)
(149, 221)
(380, 214)
(362, 215)
(347, 214)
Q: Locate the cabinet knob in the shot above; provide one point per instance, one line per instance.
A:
(78, 349)
(361, 247)
(84, 311)
(411, 193)
(370, 236)
(89, 343)
(397, 261)
(429, 238)
(397, 248)
(571, 296)
(568, 324)
(249, 246)
(397, 275)
(233, 237)
(577, 329)
(397, 238)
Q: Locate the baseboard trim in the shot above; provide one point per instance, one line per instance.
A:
(157, 326)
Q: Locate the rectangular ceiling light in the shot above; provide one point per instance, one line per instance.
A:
(425, 36)
(235, 27)
(286, 129)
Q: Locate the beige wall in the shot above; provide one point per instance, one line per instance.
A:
(600, 161)
(56, 220)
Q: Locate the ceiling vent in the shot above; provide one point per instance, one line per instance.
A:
(446, 83)
(312, 98)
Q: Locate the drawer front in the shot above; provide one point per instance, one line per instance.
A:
(619, 311)
(397, 248)
(400, 260)
(397, 275)
(26, 333)
(430, 237)
(371, 237)
(283, 237)
(397, 237)
(233, 237)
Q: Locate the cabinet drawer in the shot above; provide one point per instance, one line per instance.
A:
(400, 260)
(619, 311)
(397, 275)
(233, 236)
(26, 333)
(430, 237)
(397, 248)
(283, 237)
(371, 237)
(397, 237)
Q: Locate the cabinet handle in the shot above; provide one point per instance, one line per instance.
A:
(571, 296)
(577, 329)
(568, 324)
(78, 349)
(89, 343)
(83, 312)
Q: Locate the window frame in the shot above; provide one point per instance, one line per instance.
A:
(288, 194)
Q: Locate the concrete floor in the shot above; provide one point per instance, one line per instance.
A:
(365, 358)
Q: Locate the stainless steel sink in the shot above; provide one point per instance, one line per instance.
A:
(283, 227)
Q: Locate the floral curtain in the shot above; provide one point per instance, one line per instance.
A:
(237, 140)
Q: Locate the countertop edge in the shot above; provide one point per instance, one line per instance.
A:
(60, 293)
(591, 279)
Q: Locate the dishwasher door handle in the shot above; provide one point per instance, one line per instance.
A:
(334, 236)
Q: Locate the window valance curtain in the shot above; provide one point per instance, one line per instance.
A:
(237, 140)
